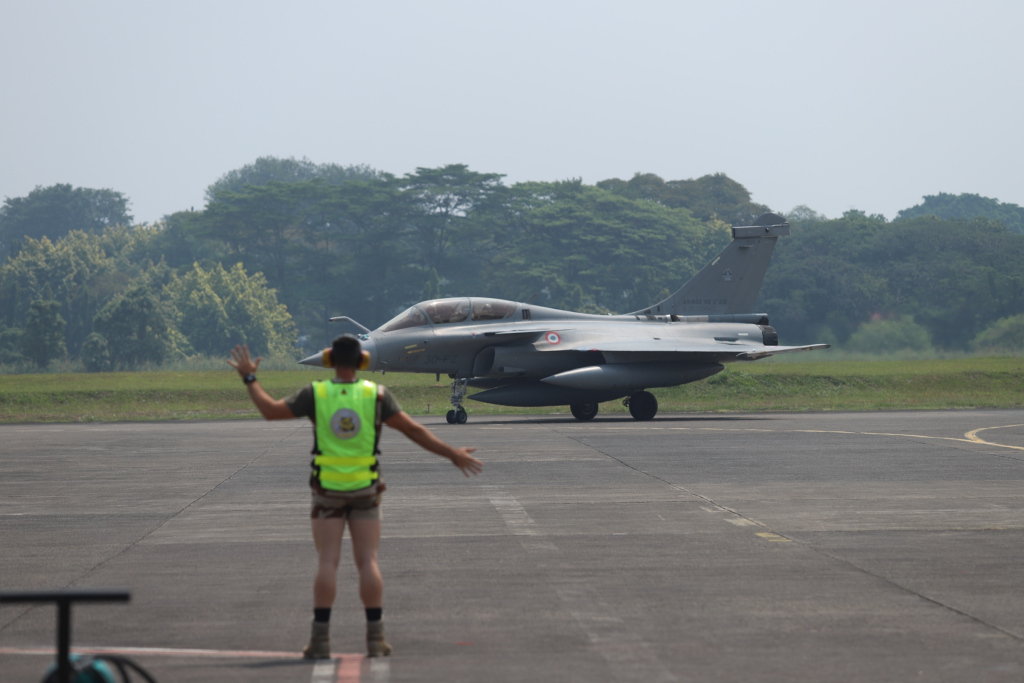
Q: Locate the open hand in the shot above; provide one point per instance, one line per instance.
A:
(241, 361)
(466, 462)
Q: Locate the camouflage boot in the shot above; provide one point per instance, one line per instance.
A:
(376, 646)
(319, 641)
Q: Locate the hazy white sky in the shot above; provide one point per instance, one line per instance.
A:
(836, 105)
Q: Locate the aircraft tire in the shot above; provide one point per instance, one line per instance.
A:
(583, 411)
(643, 406)
(461, 415)
(450, 416)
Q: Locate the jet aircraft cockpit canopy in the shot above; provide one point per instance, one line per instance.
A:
(412, 317)
(492, 309)
(443, 311)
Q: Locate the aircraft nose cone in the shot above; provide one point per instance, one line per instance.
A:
(317, 359)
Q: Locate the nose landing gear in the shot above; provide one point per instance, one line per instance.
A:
(458, 414)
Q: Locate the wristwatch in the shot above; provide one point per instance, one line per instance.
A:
(249, 379)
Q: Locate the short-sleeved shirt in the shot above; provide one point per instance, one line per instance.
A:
(302, 405)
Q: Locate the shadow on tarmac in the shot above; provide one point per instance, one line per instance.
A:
(272, 663)
(610, 419)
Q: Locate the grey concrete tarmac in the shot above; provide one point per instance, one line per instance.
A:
(777, 547)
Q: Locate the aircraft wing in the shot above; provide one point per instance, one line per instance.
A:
(773, 350)
(741, 350)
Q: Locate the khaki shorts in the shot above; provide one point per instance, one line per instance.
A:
(338, 505)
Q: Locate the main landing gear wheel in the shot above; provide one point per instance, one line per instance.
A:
(583, 411)
(461, 416)
(643, 406)
(450, 416)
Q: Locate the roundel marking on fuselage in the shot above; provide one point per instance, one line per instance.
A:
(552, 338)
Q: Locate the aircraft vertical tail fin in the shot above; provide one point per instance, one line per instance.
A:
(732, 281)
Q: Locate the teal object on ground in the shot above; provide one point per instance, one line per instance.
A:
(84, 669)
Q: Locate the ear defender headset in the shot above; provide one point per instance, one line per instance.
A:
(364, 359)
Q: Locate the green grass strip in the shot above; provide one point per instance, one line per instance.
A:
(763, 386)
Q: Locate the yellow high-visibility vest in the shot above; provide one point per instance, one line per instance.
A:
(345, 456)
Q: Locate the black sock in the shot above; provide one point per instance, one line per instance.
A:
(374, 613)
(321, 614)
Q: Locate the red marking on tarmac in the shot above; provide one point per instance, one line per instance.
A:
(347, 660)
(350, 669)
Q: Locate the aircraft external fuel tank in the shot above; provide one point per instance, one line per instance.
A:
(632, 376)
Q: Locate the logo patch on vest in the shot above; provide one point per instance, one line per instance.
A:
(345, 423)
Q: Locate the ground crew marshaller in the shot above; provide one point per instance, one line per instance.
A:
(347, 415)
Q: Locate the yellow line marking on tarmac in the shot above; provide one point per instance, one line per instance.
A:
(824, 431)
(972, 436)
(969, 437)
(591, 428)
(774, 537)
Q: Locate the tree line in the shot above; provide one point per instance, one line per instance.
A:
(928, 281)
(98, 297)
(282, 245)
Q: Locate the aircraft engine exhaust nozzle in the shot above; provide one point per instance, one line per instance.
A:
(633, 376)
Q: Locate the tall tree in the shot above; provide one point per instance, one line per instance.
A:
(953, 277)
(134, 328)
(966, 207)
(714, 196)
(621, 253)
(367, 254)
(57, 210)
(219, 307)
(10, 344)
(178, 239)
(260, 226)
(43, 339)
(75, 270)
(442, 205)
(267, 169)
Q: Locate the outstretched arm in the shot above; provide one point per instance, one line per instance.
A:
(270, 408)
(422, 436)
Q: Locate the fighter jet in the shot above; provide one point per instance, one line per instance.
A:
(522, 354)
